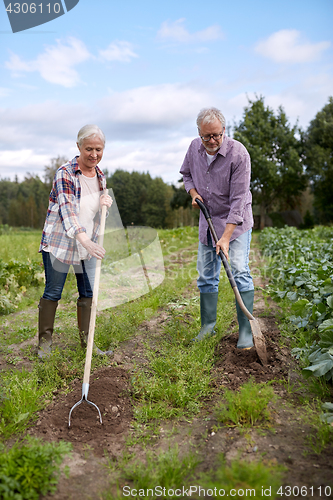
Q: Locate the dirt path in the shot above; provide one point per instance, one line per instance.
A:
(95, 444)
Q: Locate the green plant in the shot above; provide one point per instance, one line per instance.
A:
(242, 479)
(164, 470)
(327, 416)
(22, 398)
(300, 266)
(248, 406)
(30, 468)
(15, 278)
(322, 432)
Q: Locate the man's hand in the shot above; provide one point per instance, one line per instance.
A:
(194, 194)
(223, 243)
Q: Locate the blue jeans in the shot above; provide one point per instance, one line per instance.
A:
(209, 264)
(56, 274)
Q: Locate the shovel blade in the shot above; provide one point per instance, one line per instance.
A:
(259, 341)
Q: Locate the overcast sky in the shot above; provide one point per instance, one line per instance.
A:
(143, 69)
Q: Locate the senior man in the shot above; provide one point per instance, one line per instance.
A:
(217, 170)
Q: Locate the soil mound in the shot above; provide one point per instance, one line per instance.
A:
(109, 391)
(235, 366)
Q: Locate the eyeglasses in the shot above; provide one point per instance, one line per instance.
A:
(207, 138)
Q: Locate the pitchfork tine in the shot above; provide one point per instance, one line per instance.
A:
(85, 389)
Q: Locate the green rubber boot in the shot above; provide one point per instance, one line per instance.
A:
(46, 315)
(208, 311)
(245, 340)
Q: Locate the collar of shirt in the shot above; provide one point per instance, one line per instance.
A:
(76, 169)
(222, 151)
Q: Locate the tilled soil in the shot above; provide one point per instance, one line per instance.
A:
(109, 391)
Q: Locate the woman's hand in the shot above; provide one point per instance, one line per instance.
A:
(105, 199)
(94, 249)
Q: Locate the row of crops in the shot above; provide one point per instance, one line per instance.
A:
(300, 268)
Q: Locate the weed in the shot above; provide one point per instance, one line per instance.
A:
(30, 468)
(321, 432)
(166, 470)
(248, 406)
(243, 479)
(142, 433)
(22, 398)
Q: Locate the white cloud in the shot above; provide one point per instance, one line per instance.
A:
(175, 31)
(160, 105)
(22, 161)
(162, 159)
(286, 46)
(147, 128)
(118, 51)
(55, 64)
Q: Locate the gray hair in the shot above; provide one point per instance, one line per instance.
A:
(89, 131)
(208, 115)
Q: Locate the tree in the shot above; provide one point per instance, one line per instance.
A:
(180, 197)
(50, 170)
(154, 209)
(130, 192)
(276, 156)
(319, 160)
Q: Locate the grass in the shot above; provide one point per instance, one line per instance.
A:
(170, 476)
(179, 374)
(242, 479)
(321, 433)
(11, 246)
(248, 406)
(158, 475)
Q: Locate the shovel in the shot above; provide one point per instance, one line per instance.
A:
(90, 343)
(258, 338)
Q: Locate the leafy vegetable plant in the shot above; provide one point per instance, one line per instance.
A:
(301, 272)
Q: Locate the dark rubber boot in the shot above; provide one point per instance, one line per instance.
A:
(245, 340)
(83, 320)
(47, 310)
(208, 312)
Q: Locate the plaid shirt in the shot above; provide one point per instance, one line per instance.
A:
(62, 222)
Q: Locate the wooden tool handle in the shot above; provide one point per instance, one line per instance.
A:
(92, 322)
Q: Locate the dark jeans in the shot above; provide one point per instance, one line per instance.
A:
(56, 274)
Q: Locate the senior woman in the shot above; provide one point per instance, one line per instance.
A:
(70, 233)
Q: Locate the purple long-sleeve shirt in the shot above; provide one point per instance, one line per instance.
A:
(224, 185)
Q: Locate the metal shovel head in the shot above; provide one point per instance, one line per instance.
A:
(259, 341)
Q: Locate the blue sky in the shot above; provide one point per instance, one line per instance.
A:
(142, 70)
